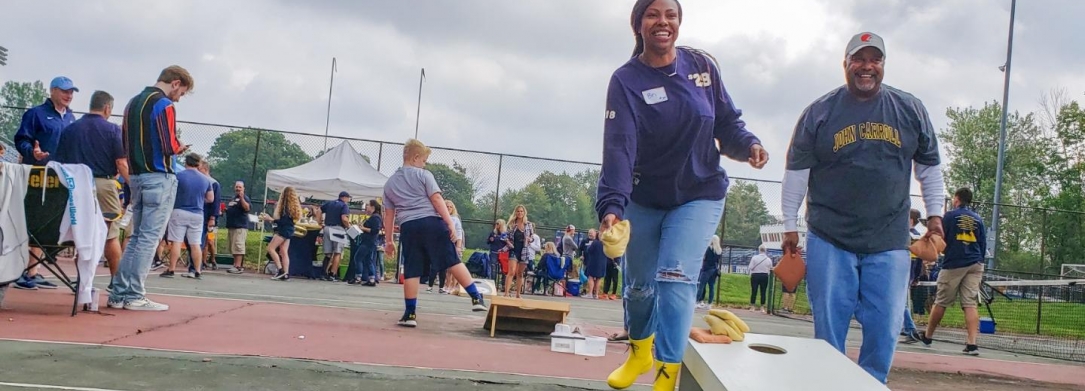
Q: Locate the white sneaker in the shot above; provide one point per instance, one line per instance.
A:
(145, 304)
(115, 304)
(429, 290)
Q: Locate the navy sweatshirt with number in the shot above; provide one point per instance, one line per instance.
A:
(661, 131)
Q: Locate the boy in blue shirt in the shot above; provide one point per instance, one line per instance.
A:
(412, 200)
(962, 269)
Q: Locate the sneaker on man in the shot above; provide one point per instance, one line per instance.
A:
(157, 265)
(910, 337)
(167, 274)
(971, 350)
(115, 304)
(408, 321)
(236, 270)
(193, 275)
(145, 304)
(479, 304)
(26, 284)
(923, 338)
(42, 283)
(429, 290)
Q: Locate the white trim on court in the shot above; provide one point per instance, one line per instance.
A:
(52, 387)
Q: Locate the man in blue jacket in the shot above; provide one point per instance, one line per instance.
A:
(962, 269)
(37, 138)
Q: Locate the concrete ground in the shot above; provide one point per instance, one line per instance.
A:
(245, 332)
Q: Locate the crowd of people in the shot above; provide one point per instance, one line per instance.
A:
(851, 157)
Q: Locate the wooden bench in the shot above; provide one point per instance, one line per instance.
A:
(769, 362)
(524, 315)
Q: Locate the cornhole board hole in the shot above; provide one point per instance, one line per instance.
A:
(769, 362)
(485, 287)
(524, 315)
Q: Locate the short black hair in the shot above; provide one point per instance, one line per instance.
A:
(193, 160)
(99, 100)
(964, 195)
(915, 215)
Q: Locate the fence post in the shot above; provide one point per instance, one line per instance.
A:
(730, 260)
(497, 192)
(380, 154)
(255, 155)
(1039, 309)
(1043, 241)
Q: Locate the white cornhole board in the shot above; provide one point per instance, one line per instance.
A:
(807, 364)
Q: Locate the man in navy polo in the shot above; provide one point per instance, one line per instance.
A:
(35, 140)
(334, 219)
(96, 142)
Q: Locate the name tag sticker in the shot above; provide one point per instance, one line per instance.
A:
(655, 95)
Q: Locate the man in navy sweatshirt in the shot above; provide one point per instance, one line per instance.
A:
(962, 269)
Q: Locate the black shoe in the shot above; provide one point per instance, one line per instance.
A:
(923, 338)
(971, 350)
(478, 304)
(910, 338)
(280, 276)
(408, 320)
(167, 274)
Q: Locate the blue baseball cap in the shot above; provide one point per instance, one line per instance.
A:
(344, 194)
(63, 83)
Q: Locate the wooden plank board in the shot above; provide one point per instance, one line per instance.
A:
(524, 315)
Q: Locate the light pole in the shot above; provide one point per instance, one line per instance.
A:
(328, 118)
(418, 113)
(992, 239)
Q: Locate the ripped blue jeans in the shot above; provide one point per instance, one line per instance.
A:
(662, 269)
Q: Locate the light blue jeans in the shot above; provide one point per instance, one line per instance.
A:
(870, 287)
(909, 324)
(152, 202)
(661, 272)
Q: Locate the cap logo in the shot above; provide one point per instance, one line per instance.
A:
(865, 38)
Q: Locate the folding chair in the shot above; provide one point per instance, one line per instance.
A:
(43, 225)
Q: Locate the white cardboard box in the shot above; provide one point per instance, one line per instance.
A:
(564, 343)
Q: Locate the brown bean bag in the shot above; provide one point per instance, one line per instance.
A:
(791, 270)
(928, 248)
(705, 336)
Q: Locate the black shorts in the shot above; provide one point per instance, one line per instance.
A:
(427, 247)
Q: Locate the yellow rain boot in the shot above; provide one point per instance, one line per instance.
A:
(637, 363)
(666, 376)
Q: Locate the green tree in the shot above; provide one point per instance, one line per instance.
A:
(20, 95)
(971, 142)
(1064, 232)
(744, 214)
(232, 155)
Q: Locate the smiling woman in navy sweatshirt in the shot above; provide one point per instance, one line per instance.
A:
(666, 111)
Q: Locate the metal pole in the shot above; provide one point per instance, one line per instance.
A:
(380, 155)
(255, 154)
(497, 193)
(328, 116)
(418, 112)
(1002, 138)
(1043, 242)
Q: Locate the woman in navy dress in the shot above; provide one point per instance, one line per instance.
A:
(287, 212)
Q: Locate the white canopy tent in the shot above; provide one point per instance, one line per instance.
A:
(340, 169)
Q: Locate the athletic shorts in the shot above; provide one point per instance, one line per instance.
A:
(426, 245)
(331, 246)
(963, 282)
(185, 225)
(235, 240)
(110, 202)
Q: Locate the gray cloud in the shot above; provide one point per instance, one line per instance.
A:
(523, 77)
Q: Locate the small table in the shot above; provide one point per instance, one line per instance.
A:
(525, 315)
(757, 364)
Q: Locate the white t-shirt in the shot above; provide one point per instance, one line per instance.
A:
(760, 263)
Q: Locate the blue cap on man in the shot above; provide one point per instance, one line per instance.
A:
(63, 83)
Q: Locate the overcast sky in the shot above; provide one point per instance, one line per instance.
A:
(526, 76)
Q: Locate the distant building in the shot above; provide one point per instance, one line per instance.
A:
(772, 235)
